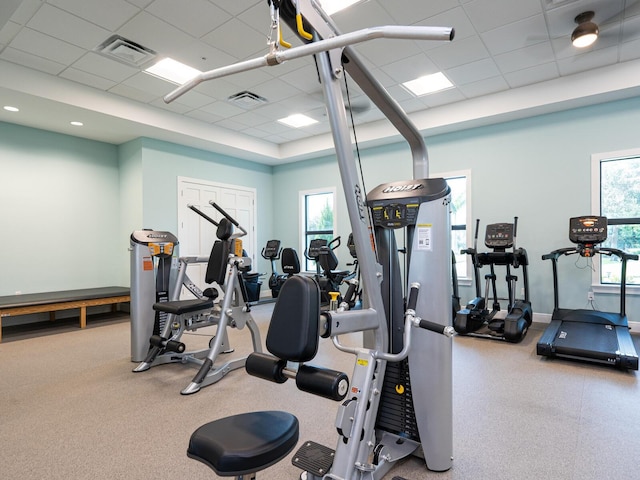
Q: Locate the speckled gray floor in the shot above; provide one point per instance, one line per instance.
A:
(70, 408)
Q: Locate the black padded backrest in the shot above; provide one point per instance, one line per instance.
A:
(225, 229)
(294, 328)
(327, 259)
(217, 266)
(290, 261)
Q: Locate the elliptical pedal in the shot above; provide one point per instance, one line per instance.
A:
(314, 458)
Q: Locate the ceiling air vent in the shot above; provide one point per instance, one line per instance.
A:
(247, 100)
(125, 51)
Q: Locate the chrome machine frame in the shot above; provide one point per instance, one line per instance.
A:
(363, 452)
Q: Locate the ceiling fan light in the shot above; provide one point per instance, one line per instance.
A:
(584, 35)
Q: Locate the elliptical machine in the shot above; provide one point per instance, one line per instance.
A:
(476, 319)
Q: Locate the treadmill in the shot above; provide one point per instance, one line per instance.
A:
(584, 334)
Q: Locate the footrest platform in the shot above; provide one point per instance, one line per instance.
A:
(314, 458)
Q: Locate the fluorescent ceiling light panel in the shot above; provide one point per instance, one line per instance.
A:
(298, 120)
(173, 71)
(9, 108)
(428, 84)
(333, 6)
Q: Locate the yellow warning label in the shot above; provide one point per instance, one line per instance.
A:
(362, 362)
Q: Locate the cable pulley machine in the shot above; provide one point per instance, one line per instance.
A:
(406, 327)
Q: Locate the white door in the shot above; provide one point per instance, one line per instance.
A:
(196, 234)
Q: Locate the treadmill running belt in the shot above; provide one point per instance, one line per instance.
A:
(586, 337)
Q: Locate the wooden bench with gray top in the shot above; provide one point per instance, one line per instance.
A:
(11, 305)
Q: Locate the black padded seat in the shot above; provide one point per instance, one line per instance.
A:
(180, 307)
(244, 443)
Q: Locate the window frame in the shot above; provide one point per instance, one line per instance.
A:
(302, 198)
(467, 278)
(596, 161)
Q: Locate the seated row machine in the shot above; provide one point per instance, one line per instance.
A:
(224, 271)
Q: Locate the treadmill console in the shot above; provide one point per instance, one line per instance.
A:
(588, 230)
(499, 236)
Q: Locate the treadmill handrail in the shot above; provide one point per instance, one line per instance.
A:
(624, 257)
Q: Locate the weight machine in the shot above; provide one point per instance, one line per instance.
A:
(368, 446)
(224, 271)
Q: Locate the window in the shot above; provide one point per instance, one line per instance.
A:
(615, 178)
(318, 218)
(460, 182)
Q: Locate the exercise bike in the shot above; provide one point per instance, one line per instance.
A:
(476, 319)
(224, 271)
(585, 334)
(290, 264)
(329, 279)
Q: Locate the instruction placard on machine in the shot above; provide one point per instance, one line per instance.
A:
(423, 233)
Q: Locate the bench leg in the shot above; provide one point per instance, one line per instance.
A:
(52, 316)
(83, 317)
(0, 329)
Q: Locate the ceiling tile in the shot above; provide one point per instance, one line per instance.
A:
(408, 12)
(25, 11)
(237, 39)
(595, 59)
(31, 61)
(472, 72)
(60, 24)
(87, 79)
(490, 14)
(42, 45)
(528, 76)
(156, 34)
(149, 83)
(516, 35)
(203, 116)
(223, 109)
(9, 31)
(524, 58)
(110, 15)
(104, 67)
(484, 87)
(458, 52)
(362, 15)
(450, 95)
(197, 18)
(410, 68)
(630, 51)
(133, 93)
(237, 6)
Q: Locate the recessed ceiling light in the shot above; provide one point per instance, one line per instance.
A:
(76, 124)
(298, 120)
(333, 6)
(428, 84)
(173, 71)
(9, 108)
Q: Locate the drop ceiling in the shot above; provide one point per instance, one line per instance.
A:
(509, 59)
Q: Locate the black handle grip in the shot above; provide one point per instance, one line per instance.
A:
(225, 214)
(203, 215)
(433, 327)
(413, 298)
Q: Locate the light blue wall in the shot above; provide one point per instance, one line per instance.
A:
(537, 169)
(163, 162)
(59, 209)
